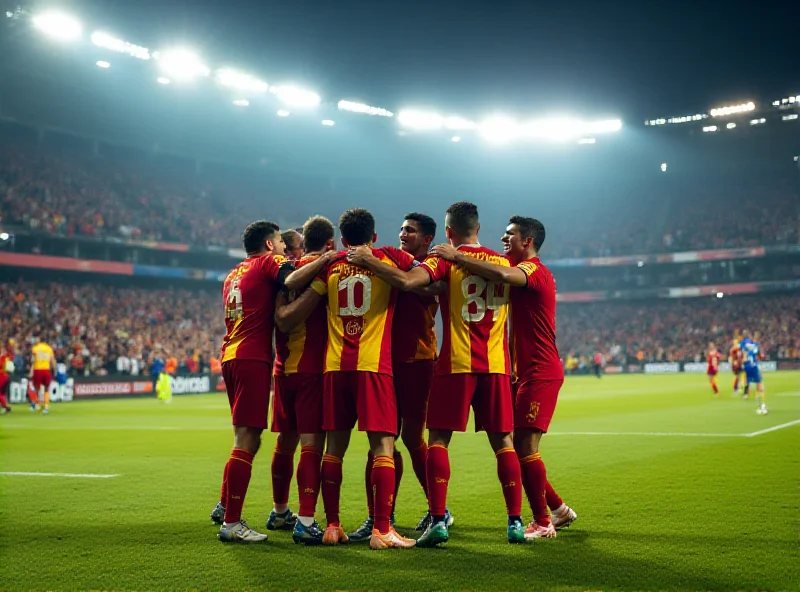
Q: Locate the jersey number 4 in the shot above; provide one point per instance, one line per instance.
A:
(483, 295)
(355, 296)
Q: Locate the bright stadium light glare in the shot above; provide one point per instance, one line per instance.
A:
(499, 129)
(720, 294)
(283, 113)
(423, 120)
(354, 107)
(733, 109)
(58, 25)
(587, 141)
(241, 103)
(182, 64)
(102, 64)
(294, 96)
(163, 80)
(731, 125)
(663, 167)
(789, 117)
(106, 41)
(455, 139)
(328, 122)
(240, 81)
(710, 128)
(4, 236)
(459, 123)
(757, 121)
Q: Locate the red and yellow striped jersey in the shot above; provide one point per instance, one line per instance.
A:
(302, 350)
(360, 312)
(43, 356)
(414, 334)
(474, 316)
(248, 296)
(4, 359)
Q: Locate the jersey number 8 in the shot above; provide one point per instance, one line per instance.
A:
(347, 288)
(496, 297)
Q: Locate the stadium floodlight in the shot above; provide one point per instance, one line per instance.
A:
(663, 167)
(328, 122)
(455, 139)
(733, 109)
(106, 41)
(283, 113)
(587, 141)
(757, 121)
(294, 96)
(163, 80)
(181, 64)
(423, 120)
(720, 294)
(731, 125)
(789, 117)
(604, 126)
(499, 129)
(102, 64)
(365, 109)
(710, 128)
(59, 25)
(4, 236)
(241, 103)
(459, 123)
(240, 81)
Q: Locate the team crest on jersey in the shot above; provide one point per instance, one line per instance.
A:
(533, 412)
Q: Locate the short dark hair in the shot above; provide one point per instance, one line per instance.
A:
(426, 224)
(289, 236)
(317, 231)
(530, 228)
(463, 218)
(257, 233)
(357, 226)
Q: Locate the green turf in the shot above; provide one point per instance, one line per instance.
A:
(656, 512)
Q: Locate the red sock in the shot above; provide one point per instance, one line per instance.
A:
(240, 466)
(419, 457)
(534, 479)
(223, 494)
(282, 471)
(508, 472)
(383, 488)
(554, 501)
(398, 475)
(368, 483)
(331, 487)
(438, 476)
(308, 478)
(3, 401)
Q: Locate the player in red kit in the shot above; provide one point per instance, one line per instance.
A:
(414, 352)
(358, 374)
(538, 373)
(713, 357)
(249, 293)
(736, 359)
(473, 368)
(6, 369)
(297, 405)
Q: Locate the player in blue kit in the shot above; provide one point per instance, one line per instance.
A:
(751, 352)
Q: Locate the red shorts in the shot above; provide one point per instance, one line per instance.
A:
(248, 384)
(737, 369)
(412, 385)
(711, 372)
(535, 402)
(364, 396)
(489, 395)
(4, 382)
(297, 404)
(42, 378)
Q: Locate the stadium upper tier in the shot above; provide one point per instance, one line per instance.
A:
(73, 195)
(91, 325)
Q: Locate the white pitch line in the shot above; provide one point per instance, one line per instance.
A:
(71, 475)
(788, 424)
(655, 434)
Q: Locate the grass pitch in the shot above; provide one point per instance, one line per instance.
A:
(675, 490)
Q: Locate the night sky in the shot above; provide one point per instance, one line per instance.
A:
(596, 58)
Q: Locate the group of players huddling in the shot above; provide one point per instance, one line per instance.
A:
(743, 358)
(355, 343)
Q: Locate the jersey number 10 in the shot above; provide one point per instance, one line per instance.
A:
(347, 288)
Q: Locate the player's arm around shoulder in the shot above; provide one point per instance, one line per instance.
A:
(289, 315)
(486, 269)
(302, 276)
(416, 277)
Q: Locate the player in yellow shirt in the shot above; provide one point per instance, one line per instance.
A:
(43, 368)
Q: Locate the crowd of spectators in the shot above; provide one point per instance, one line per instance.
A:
(679, 329)
(70, 195)
(97, 329)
